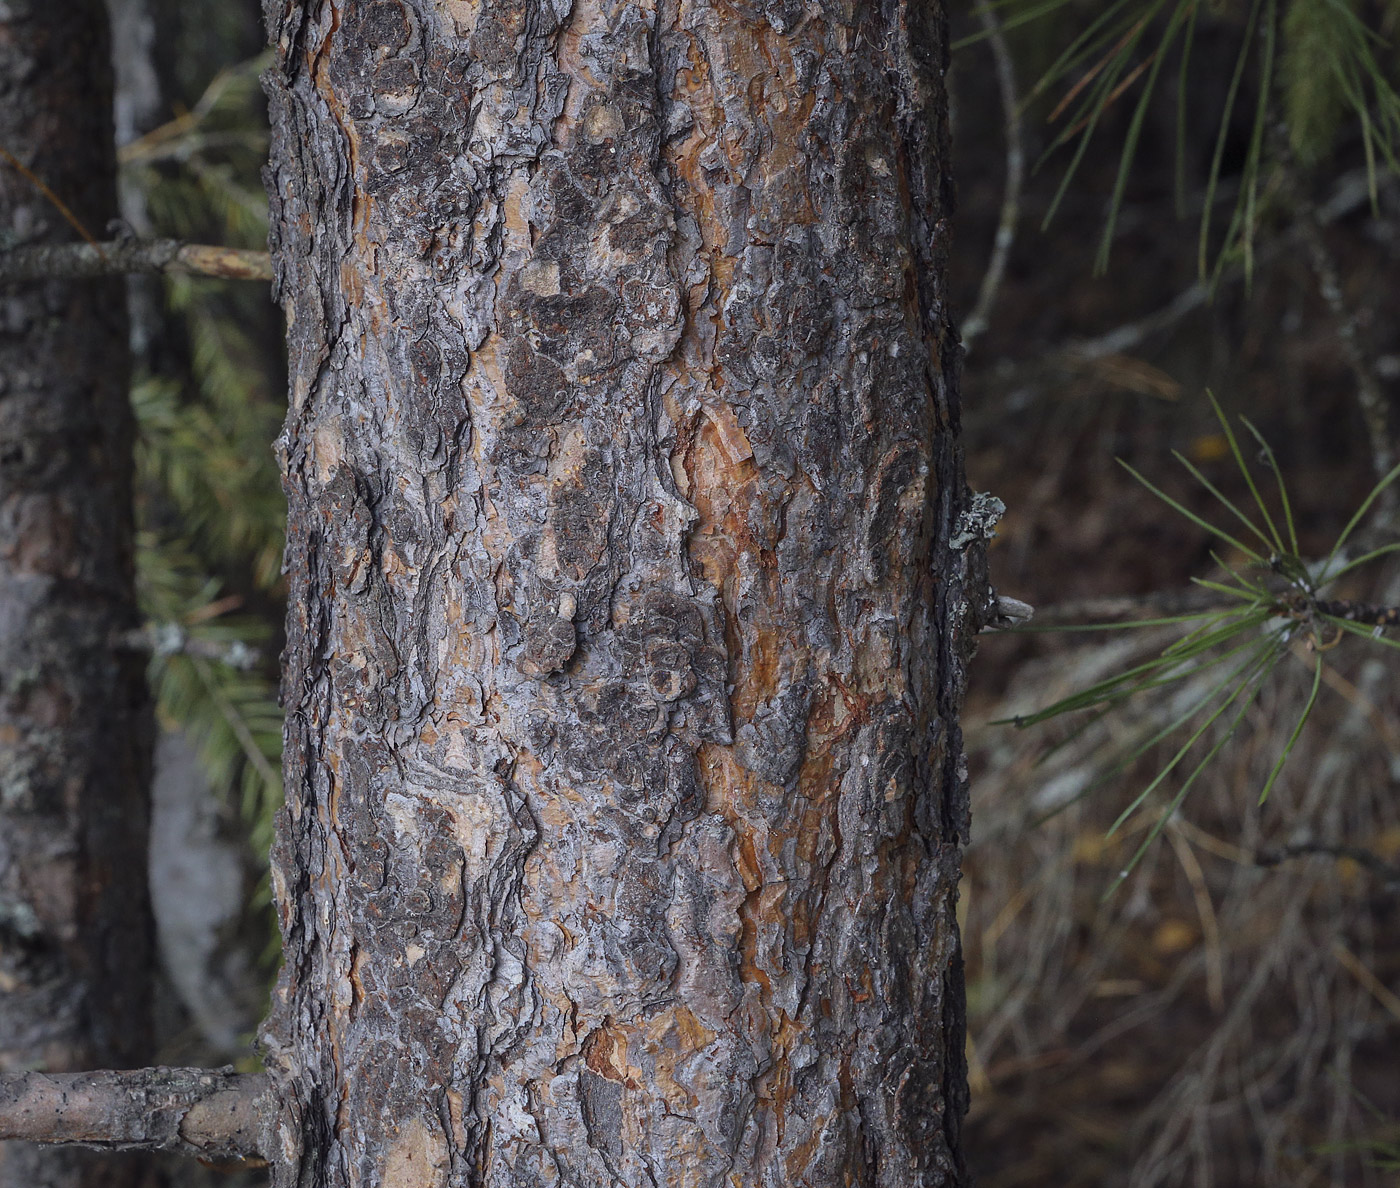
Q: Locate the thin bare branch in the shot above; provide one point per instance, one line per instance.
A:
(1364, 613)
(1349, 194)
(208, 1113)
(82, 260)
(58, 204)
(1369, 395)
(980, 317)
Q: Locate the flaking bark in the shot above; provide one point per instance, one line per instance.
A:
(630, 595)
(75, 952)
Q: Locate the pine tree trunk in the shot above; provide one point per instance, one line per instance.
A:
(629, 598)
(75, 948)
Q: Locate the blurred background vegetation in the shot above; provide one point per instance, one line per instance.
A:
(1231, 222)
(1226, 218)
(208, 392)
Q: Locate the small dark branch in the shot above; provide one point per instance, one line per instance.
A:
(1368, 388)
(58, 204)
(208, 1113)
(1363, 613)
(1387, 872)
(1370, 396)
(86, 260)
(1125, 338)
(1350, 193)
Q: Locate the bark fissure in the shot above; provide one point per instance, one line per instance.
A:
(624, 786)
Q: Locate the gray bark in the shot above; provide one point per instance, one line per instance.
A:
(74, 739)
(121, 256)
(631, 595)
(210, 1114)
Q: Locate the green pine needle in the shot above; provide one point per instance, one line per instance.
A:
(1297, 730)
(1314, 68)
(1192, 516)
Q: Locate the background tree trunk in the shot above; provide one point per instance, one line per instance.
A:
(75, 953)
(628, 572)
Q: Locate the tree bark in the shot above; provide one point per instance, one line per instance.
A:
(74, 744)
(631, 591)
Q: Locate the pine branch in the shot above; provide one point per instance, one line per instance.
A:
(1365, 613)
(208, 1113)
(83, 260)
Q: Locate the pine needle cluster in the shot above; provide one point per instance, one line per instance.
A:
(1323, 69)
(1273, 606)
